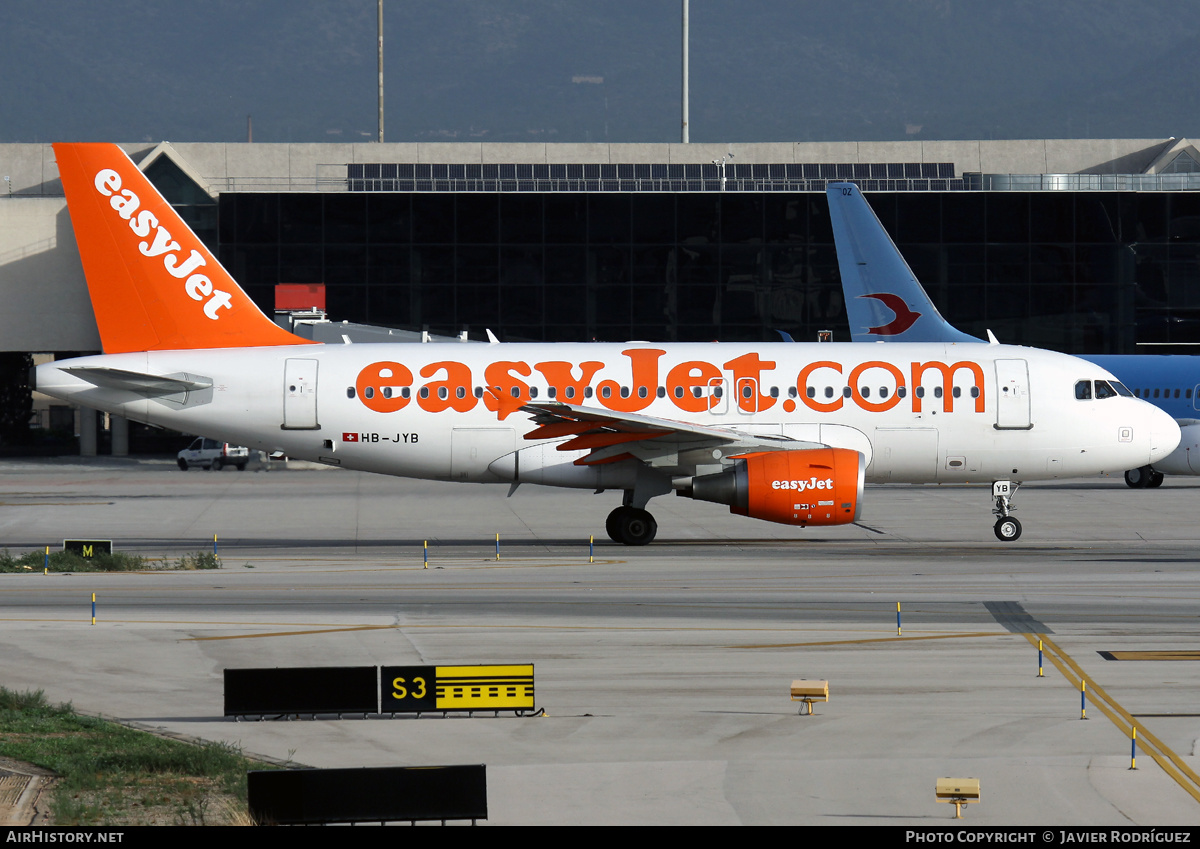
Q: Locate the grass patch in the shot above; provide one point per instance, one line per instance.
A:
(113, 775)
(69, 561)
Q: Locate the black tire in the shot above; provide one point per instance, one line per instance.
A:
(217, 465)
(637, 527)
(1156, 480)
(612, 525)
(183, 466)
(1139, 478)
(241, 467)
(1007, 529)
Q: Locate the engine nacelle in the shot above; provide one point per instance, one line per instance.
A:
(818, 486)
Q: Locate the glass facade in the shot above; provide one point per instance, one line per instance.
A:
(1082, 272)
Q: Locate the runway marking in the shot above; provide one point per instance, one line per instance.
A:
(1171, 763)
(55, 503)
(292, 633)
(1150, 655)
(873, 640)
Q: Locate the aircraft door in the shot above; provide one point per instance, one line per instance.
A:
(1196, 398)
(300, 395)
(1012, 395)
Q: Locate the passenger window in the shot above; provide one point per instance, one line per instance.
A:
(551, 392)
(828, 391)
(957, 392)
(570, 392)
(901, 391)
(937, 392)
(920, 391)
(811, 392)
(1083, 390)
(369, 392)
(350, 392)
(974, 391)
(845, 391)
(678, 391)
(883, 392)
(865, 391)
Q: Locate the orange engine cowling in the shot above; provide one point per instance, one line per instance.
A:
(818, 486)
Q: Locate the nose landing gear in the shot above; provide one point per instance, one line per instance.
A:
(1007, 528)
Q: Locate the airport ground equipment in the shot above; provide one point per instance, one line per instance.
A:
(381, 794)
(806, 692)
(958, 791)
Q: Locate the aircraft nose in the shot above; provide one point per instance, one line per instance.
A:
(1164, 434)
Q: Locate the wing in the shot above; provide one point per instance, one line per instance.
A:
(673, 447)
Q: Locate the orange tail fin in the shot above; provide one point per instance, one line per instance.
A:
(153, 283)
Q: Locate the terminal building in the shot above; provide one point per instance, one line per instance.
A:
(1083, 246)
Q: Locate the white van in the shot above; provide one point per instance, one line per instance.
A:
(210, 454)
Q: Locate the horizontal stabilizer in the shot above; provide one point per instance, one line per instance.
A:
(146, 385)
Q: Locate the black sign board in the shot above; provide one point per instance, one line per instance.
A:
(387, 794)
(314, 689)
(88, 547)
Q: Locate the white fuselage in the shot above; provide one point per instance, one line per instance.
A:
(918, 413)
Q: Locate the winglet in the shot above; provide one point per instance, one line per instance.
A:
(884, 299)
(154, 285)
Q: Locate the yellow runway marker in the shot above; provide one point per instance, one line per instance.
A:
(1151, 655)
(1170, 762)
(874, 640)
(291, 633)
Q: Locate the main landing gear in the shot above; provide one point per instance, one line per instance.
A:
(1007, 527)
(1143, 478)
(631, 526)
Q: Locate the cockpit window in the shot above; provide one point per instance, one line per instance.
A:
(1121, 389)
(1103, 390)
(1083, 390)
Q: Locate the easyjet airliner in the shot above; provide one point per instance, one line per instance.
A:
(785, 433)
